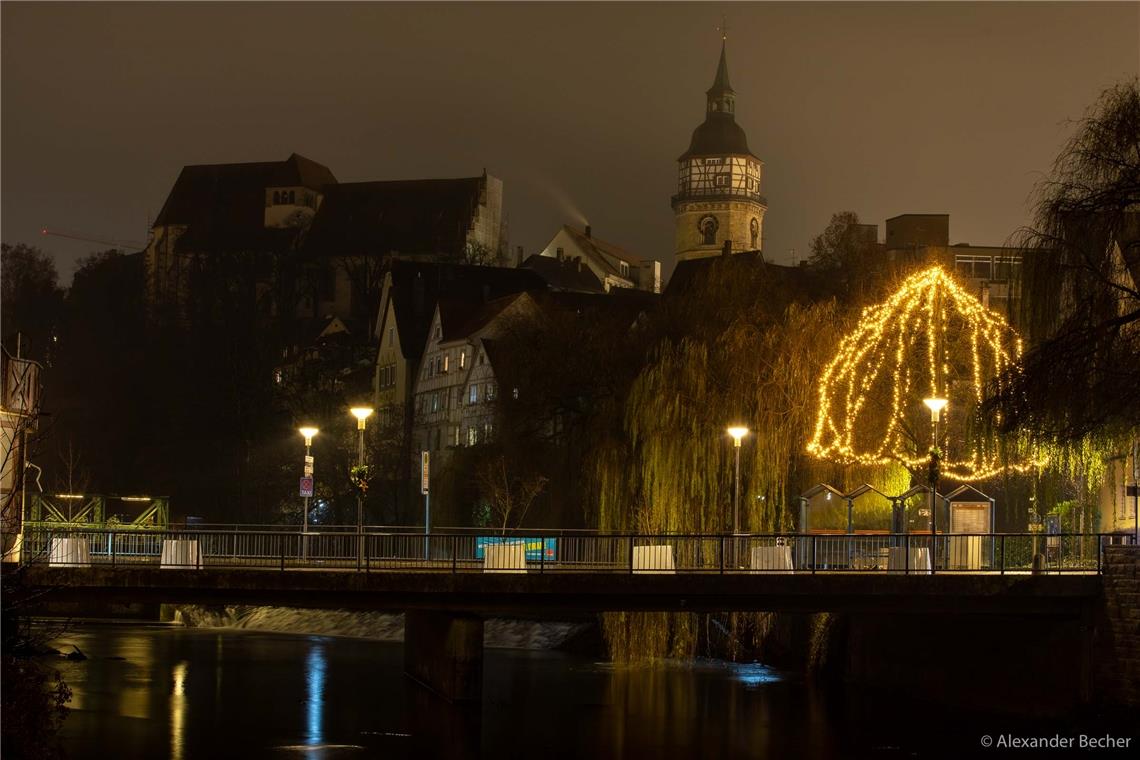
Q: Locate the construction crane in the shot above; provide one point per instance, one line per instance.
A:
(123, 245)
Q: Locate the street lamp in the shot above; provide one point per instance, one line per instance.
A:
(737, 432)
(361, 413)
(308, 433)
(936, 405)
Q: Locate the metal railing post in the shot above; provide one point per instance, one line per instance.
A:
(813, 552)
(1003, 554)
(359, 549)
(906, 555)
(541, 555)
(722, 555)
(454, 554)
(113, 550)
(281, 541)
(631, 554)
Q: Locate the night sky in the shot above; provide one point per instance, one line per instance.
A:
(582, 110)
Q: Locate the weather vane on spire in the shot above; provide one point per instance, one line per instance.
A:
(723, 29)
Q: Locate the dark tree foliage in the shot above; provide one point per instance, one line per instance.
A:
(846, 250)
(1081, 286)
(100, 374)
(30, 300)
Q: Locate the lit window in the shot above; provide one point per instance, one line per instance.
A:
(446, 359)
(472, 436)
(515, 394)
(490, 392)
(462, 358)
(474, 395)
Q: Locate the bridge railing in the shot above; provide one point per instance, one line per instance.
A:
(561, 551)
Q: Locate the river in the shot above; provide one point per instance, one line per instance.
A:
(150, 691)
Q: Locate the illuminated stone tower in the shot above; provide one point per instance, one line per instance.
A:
(718, 185)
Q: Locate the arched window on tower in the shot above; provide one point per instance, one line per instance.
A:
(708, 227)
(754, 228)
(276, 197)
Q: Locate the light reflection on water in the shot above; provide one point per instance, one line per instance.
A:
(178, 709)
(329, 697)
(315, 683)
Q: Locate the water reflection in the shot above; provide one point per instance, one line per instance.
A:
(313, 696)
(315, 666)
(178, 709)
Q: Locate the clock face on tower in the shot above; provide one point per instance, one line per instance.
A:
(708, 225)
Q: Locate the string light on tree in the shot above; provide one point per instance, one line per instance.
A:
(930, 339)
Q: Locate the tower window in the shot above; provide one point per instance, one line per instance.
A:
(754, 228)
(722, 180)
(276, 197)
(708, 227)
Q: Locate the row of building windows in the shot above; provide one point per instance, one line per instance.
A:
(982, 267)
(441, 400)
(388, 376)
(289, 198)
(468, 435)
(441, 364)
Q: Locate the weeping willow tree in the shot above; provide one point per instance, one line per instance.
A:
(671, 470)
(1076, 395)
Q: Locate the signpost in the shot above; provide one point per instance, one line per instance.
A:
(307, 486)
(425, 489)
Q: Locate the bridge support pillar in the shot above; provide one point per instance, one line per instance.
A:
(444, 652)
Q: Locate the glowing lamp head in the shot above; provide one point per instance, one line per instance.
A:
(737, 432)
(361, 413)
(936, 405)
(308, 433)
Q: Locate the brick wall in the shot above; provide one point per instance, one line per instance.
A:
(1118, 629)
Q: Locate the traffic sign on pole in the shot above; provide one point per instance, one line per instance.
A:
(424, 480)
(307, 486)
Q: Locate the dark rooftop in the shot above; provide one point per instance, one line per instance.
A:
(409, 217)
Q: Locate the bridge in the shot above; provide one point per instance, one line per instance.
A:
(448, 581)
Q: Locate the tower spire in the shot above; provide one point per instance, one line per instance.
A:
(721, 98)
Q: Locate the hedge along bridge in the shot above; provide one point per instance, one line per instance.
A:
(447, 581)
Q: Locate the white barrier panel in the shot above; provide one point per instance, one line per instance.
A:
(504, 558)
(653, 559)
(69, 552)
(919, 560)
(179, 554)
(769, 558)
(966, 552)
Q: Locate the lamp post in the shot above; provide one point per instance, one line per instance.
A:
(737, 432)
(936, 405)
(308, 432)
(361, 413)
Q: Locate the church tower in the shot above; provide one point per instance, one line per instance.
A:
(718, 185)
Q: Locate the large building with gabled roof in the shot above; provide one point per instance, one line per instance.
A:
(338, 232)
(612, 265)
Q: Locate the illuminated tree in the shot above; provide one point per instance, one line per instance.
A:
(930, 339)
